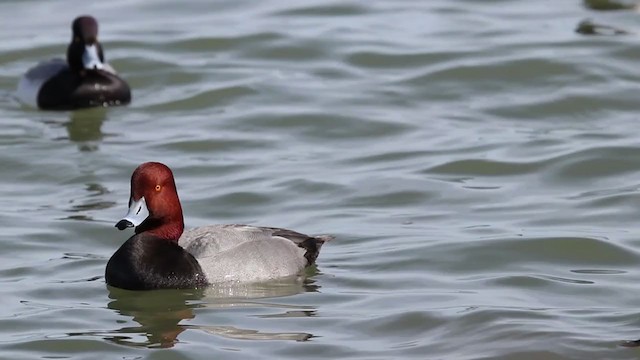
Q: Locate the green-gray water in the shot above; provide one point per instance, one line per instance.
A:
(478, 162)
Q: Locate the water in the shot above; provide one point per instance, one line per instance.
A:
(478, 162)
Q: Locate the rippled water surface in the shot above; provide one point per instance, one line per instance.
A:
(477, 161)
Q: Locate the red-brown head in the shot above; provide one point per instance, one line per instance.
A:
(154, 206)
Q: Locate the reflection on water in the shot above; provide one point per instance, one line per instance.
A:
(92, 199)
(607, 5)
(161, 312)
(588, 27)
(84, 128)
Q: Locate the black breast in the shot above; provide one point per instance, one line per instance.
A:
(145, 262)
(68, 90)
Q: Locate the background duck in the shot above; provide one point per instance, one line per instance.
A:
(83, 80)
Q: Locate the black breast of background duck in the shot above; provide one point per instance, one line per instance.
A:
(69, 90)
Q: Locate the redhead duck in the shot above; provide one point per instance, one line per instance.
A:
(83, 80)
(160, 255)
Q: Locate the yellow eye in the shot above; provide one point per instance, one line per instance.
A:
(158, 187)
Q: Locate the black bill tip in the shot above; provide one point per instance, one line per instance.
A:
(123, 224)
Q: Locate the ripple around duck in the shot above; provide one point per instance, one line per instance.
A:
(506, 325)
(314, 125)
(568, 105)
(395, 60)
(311, 186)
(218, 146)
(595, 163)
(389, 157)
(590, 164)
(569, 252)
(205, 99)
(408, 323)
(457, 74)
(243, 199)
(222, 44)
(31, 56)
(482, 167)
(515, 71)
(388, 199)
(306, 52)
(323, 10)
(145, 73)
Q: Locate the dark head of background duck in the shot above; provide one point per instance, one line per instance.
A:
(85, 32)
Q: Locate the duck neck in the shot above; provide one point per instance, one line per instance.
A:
(74, 56)
(163, 229)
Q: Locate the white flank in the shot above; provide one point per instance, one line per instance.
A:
(31, 82)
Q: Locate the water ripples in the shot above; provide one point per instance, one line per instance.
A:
(476, 161)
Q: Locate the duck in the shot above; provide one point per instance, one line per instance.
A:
(162, 255)
(83, 80)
